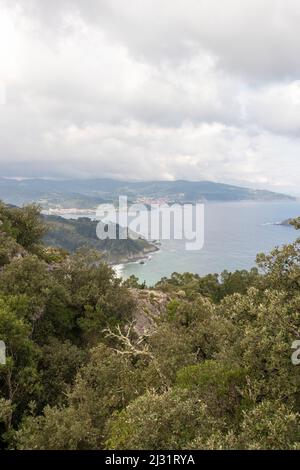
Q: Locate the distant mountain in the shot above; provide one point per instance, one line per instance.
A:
(83, 194)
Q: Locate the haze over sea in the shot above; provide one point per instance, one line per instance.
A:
(234, 233)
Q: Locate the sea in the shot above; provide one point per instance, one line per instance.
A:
(234, 233)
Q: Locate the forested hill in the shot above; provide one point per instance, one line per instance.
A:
(71, 234)
(83, 194)
(96, 363)
(74, 234)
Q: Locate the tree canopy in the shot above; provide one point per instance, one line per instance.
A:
(213, 372)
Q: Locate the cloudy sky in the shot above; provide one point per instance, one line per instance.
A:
(152, 89)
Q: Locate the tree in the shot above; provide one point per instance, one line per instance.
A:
(106, 384)
(271, 425)
(19, 377)
(25, 225)
(160, 421)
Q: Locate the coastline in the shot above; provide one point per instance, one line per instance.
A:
(136, 257)
(118, 267)
(131, 254)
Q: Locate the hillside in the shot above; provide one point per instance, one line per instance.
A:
(71, 234)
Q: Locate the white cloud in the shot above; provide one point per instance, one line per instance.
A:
(275, 107)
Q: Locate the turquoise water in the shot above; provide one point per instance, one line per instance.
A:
(234, 234)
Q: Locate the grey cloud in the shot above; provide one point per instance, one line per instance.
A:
(256, 38)
(135, 151)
